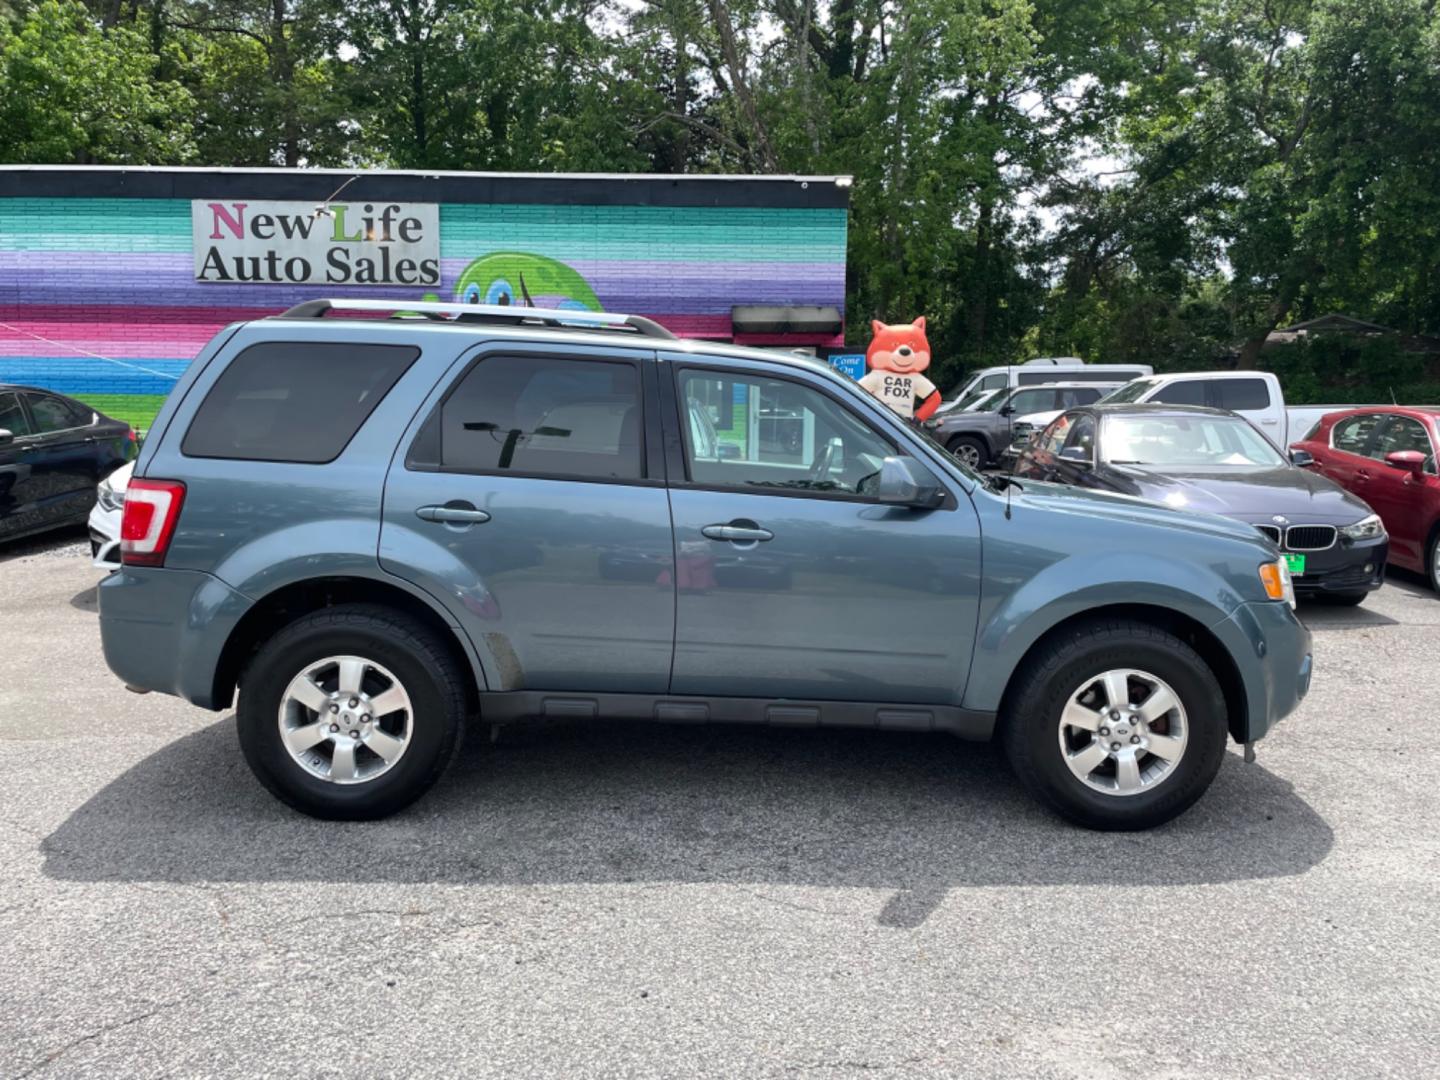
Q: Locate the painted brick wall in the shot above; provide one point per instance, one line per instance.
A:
(98, 298)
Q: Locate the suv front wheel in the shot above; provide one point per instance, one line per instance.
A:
(351, 713)
(1116, 725)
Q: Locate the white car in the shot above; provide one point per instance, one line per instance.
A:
(105, 518)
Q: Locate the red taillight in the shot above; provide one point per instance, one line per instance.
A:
(151, 509)
(130, 435)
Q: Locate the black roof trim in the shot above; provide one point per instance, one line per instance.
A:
(593, 189)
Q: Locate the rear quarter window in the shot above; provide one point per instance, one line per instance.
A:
(294, 401)
(1239, 395)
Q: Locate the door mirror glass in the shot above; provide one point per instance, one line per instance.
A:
(1079, 455)
(905, 482)
(1007, 410)
(1411, 461)
(1301, 458)
(6, 438)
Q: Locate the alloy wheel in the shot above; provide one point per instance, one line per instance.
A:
(345, 719)
(1123, 732)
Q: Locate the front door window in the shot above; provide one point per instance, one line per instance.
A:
(782, 436)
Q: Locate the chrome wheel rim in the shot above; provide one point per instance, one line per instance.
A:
(345, 719)
(1123, 732)
(969, 454)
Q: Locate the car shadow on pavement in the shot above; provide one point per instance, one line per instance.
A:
(45, 543)
(641, 803)
(1321, 616)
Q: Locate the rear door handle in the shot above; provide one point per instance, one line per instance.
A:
(737, 533)
(453, 515)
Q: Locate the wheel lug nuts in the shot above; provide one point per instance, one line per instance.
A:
(1104, 731)
(1115, 715)
(1135, 738)
(334, 727)
(334, 708)
(365, 719)
(1114, 746)
(354, 734)
(354, 702)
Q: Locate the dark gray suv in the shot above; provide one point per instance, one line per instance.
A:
(379, 528)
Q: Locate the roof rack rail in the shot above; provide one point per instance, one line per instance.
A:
(490, 313)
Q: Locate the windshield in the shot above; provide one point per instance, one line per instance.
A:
(1131, 391)
(1176, 441)
(974, 396)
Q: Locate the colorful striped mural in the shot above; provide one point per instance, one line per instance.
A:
(98, 297)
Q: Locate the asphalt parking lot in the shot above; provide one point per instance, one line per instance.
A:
(644, 901)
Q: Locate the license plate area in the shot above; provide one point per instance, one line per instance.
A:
(1296, 563)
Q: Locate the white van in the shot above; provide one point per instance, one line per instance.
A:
(1044, 369)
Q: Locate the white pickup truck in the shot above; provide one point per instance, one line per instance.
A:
(1255, 395)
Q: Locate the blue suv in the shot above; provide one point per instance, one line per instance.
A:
(377, 528)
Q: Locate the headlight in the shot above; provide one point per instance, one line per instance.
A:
(1275, 576)
(108, 497)
(1369, 528)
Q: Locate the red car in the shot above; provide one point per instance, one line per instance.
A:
(1386, 455)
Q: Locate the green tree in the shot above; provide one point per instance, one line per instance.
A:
(74, 93)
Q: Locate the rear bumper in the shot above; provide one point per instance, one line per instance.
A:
(164, 630)
(1271, 649)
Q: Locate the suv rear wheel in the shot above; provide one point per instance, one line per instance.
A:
(1116, 725)
(970, 450)
(351, 713)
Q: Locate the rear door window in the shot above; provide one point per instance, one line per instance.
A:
(1404, 433)
(12, 416)
(1183, 392)
(545, 416)
(1241, 395)
(55, 414)
(294, 401)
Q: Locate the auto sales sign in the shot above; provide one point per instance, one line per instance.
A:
(265, 242)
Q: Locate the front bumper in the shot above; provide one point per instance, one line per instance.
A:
(1271, 650)
(105, 537)
(1347, 567)
(165, 629)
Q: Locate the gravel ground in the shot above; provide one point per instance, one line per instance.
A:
(634, 901)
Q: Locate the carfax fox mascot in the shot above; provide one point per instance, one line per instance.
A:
(896, 358)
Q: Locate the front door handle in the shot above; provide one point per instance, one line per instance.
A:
(743, 534)
(453, 515)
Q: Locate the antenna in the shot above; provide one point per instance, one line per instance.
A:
(323, 210)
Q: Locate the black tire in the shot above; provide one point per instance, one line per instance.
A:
(1432, 563)
(1030, 725)
(963, 445)
(417, 658)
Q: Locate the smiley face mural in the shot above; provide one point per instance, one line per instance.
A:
(519, 278)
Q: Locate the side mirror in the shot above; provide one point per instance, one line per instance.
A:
(1301, 458)
(1007, 410)
(905, 482)
(1075, 454)
(6, 438)
(1411, 461)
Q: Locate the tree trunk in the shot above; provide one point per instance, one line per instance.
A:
(283, 64)
(762, 156)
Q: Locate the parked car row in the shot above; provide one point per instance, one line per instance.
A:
(1358, 490)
